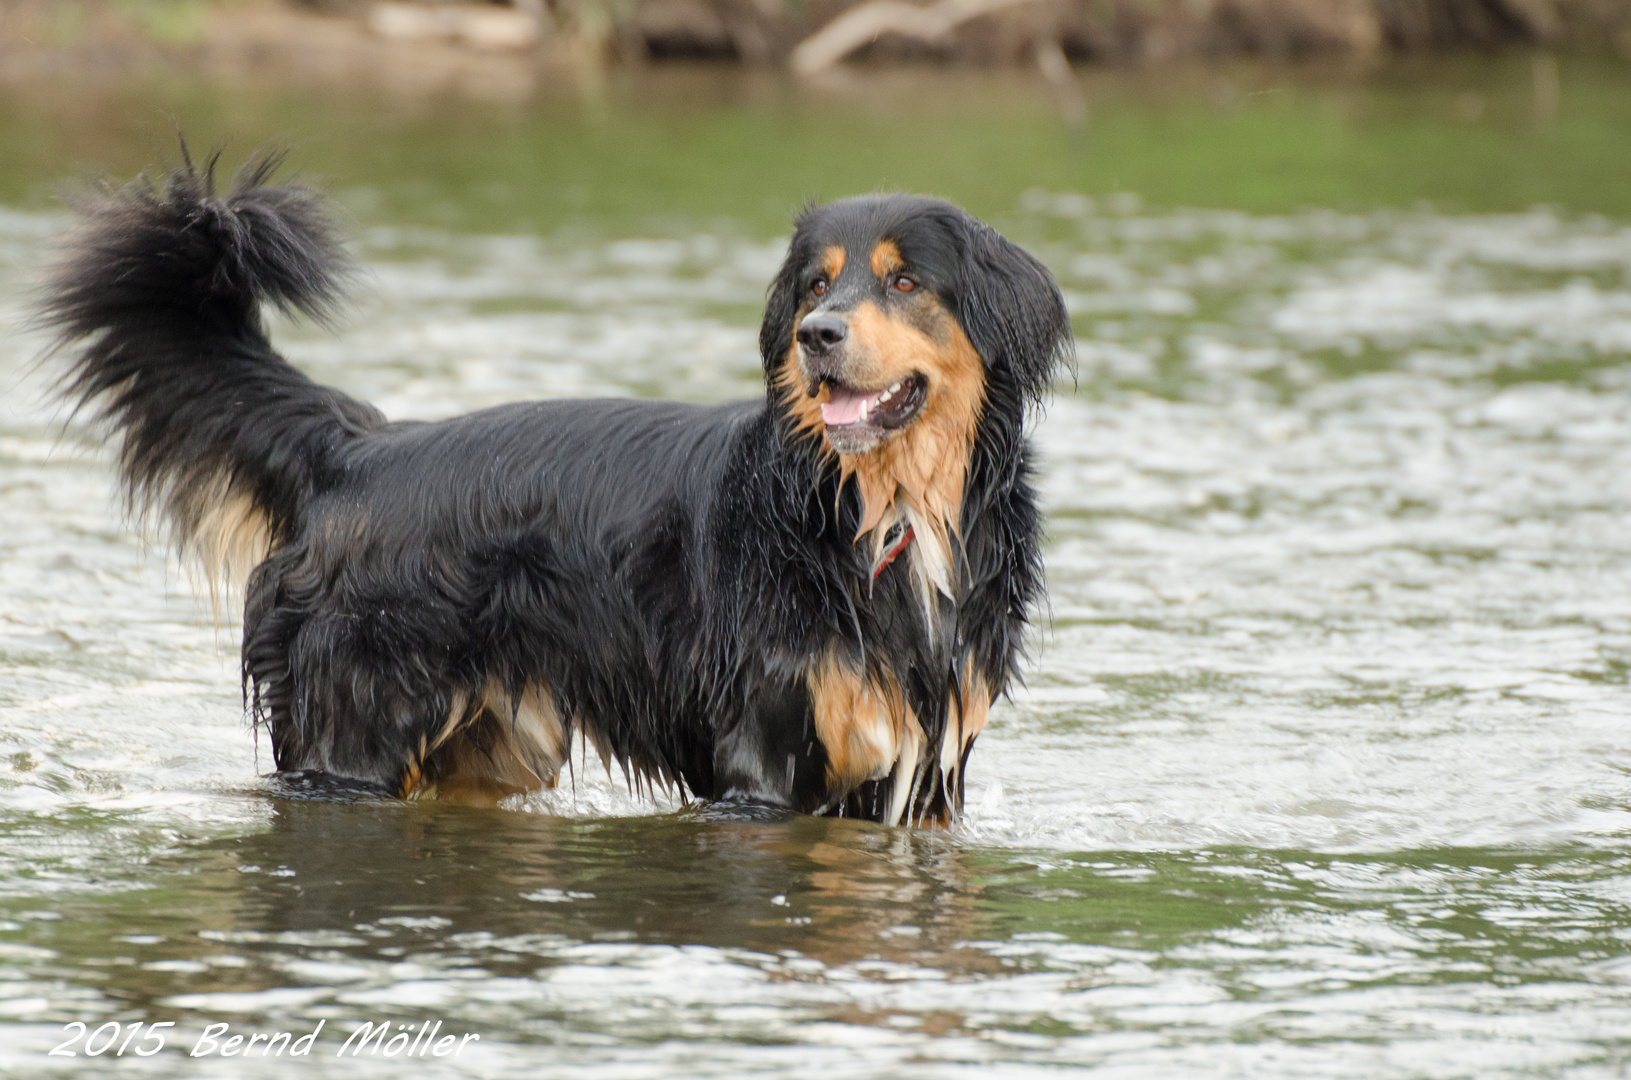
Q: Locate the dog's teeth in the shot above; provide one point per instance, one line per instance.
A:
(883, 397)
(892, 389)
(864, 409)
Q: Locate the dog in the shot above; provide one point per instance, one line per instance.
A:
(806, 602)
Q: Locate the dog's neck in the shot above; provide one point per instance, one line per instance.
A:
(915, 481)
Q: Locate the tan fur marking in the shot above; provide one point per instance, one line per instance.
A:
(230, 540)
(966, 725)
(870, 732)
(886, 258)
(522, 748)
(977, 699)
(539, 735)
(858, 722)
(411, 778)
(906, 767)
(458, 714)
(832, 261)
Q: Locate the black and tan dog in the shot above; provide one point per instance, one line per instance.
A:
(808, 601)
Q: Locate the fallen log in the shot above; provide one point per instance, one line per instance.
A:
(865, 24)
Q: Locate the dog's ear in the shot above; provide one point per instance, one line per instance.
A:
(1011, 309)
(781, 307)
(782, 302)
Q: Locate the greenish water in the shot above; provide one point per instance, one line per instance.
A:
(1322, 768)
(660, 148)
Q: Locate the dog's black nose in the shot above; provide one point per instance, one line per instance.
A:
(820, 333)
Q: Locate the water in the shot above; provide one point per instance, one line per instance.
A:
(1321, 769)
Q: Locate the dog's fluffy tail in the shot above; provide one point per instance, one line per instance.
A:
(157, 301)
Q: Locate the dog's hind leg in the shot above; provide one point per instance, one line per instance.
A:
(492, 747)
(347, 687)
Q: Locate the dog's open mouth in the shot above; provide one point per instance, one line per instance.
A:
(858, 419)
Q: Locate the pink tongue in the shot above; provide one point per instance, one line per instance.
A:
(844, 407)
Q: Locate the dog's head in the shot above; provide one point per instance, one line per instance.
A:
(896, 312)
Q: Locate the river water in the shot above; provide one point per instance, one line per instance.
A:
(1322, 767)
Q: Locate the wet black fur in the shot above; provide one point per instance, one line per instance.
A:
(668, 571)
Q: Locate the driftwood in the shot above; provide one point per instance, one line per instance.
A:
(864, 24)
(1055, 68)
(484, 27)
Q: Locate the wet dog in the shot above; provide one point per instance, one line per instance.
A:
(807, 601)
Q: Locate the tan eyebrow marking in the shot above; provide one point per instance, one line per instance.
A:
(886, 258)
(832, 261)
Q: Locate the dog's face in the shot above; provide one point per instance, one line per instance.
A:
(892, 311)
(873, 339)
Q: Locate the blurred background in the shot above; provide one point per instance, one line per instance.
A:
(1321, 765)
(536, 114)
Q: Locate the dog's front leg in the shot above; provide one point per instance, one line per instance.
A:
(768, 753)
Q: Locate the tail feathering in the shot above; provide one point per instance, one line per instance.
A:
(156, 302)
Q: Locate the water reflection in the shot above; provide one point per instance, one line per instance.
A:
(622, 941)
(835, 891)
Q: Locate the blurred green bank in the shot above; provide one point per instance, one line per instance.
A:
(669, 146)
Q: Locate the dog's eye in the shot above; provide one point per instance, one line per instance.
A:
(904, 283)
(819, 286)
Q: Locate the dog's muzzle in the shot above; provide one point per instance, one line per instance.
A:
(857, 418)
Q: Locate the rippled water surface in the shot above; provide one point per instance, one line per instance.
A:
(1322, 768)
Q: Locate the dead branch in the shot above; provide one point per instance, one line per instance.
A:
(860, 25)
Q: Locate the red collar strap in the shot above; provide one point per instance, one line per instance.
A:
(893, 552)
